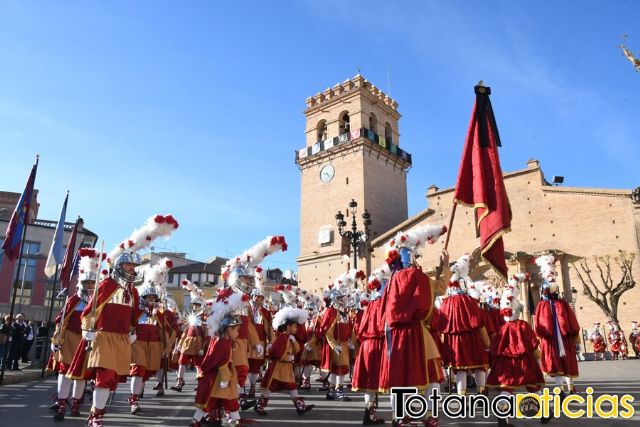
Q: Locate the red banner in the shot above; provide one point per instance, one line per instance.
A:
(480, 182)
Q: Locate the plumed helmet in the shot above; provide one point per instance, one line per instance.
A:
(242, 271)
(127, 257)
(241, 279)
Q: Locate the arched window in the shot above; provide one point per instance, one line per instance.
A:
(321, 130)
(373, 123)
(344, 122)
(387, 132)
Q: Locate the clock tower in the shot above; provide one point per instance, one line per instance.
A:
(352, 152)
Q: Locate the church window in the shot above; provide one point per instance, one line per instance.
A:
(345, 125)
(387, 132)
(373, 123)
(321, 130)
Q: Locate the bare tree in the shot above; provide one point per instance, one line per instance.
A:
(606, 294)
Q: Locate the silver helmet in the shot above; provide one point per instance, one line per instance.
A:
(125, 258)
(242, 279)
(257, 292)
(149, 290)
(228, 321)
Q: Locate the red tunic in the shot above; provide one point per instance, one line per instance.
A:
(463, 345)
(301, 337)
(113, 317)
(366, 369)
(279, 375)
(599, 345)
(328, 318)
(514, 365)
(407, 302)
(218, 354)
(551, 362)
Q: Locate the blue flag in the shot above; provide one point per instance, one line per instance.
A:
(56, 253)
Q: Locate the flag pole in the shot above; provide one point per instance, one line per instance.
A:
(15, 282)
(46, 340)
(446, 240)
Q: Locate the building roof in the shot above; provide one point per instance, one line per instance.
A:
(197, 267)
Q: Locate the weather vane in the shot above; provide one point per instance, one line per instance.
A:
(635, 61)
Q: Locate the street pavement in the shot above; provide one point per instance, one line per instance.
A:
(26, 404)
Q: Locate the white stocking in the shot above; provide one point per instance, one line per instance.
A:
(78, 388)
(64, 387)
(332, 379)
(481, 378)
(136, 385)
(234, 416)
(306, 372)
(160, 375)
(199, 414)
(461, 382)
(428, 392)
(265, 393)
(369, 398)
(558, 379)
(339, 380)
(181, 371)
(100, 397)
(569, 382)
(253, 378)
(293, 394)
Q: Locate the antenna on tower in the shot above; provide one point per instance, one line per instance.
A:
(357, 70)
(389, 81)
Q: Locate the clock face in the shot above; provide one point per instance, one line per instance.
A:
(327, 173)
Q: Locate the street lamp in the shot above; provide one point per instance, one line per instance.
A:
(354, 235)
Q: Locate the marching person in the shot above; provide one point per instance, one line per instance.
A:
(240, 273)
(598, 342)
(280, 375)
(634, 339)
(217, 379)
(262, 323)
(108, 322)
(370, 333)
(311, 355)
(68, 334)
(515, 352)
(151, 342)
(338, 332)
(410, 356)
(557, 328)
(171, 326)
(191, 346)
(465, 337)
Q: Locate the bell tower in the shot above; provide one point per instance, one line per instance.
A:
(352, 151)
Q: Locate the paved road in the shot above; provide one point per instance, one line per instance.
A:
(26, 404)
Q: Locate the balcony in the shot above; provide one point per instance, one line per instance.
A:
(350, 136)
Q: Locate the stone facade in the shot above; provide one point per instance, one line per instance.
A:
(572, 223)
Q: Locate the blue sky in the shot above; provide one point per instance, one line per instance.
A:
(195, 108)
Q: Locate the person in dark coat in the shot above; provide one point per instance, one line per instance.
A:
(18, 330)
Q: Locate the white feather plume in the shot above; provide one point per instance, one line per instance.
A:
(141, 238)
(290, 314)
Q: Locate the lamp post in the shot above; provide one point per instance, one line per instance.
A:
(354, 235)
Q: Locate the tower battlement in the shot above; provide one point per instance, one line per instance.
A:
(358, 83)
